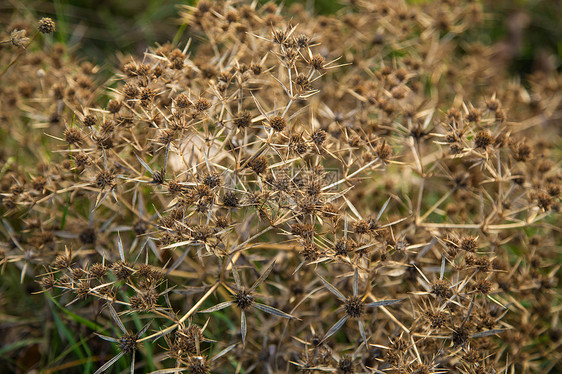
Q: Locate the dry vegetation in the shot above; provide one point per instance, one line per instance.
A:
(359, 193)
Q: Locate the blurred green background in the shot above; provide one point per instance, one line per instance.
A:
(98, 29)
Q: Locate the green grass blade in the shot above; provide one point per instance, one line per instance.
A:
(76, 317)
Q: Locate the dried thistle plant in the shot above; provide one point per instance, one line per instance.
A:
(381, 149)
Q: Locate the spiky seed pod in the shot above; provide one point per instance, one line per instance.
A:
(277, 123)
(243, 299)
(103, 141)
(230, 199)
(243, 120)
(104, 179)
(121, 270)
(460, 336)
(383, 151)
(318, 62)
(521, 151)
(130, 90)
(302, 82)
(259, 165)
(361, 226)
(97, 270)
(198, 365)
(345, 365)
(46, 25)
(344, 246)
(89, 120)
(302, 40)
(174, 187)
(319, 137)
(88, 236)
(473, 115)
(61, 262)
(128, 343)
(469, 243)
(72, 136)
(146, 94)
(182, 101)
(482, 139)
(81, 160)
(47, 282)
(177, 59)
(441, 289)
(202, 104)
(354, 307)
(107, 127)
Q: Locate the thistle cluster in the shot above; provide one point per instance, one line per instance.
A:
(389, 192)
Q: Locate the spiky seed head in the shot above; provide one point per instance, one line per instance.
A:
(483, 286)
(177, 59)
(130, 90)
(482, 139)
(383, 151)
(47, 282)
(318, 62)
(345, 365)
(198, 365)
(186, 339)
(174, 187)
(344, 246)
(72, 136)
(140, 227)
(354, 307)
(182, 101)
(302, 40)
(88, 236)
(83, 289)
(61, 262)
(259, 165)
(319, 137)
(441, 289)
(473, 115)
(107, 126)
(243, 299)
(361, 226)
(128, 343)
(469, 243)
(230, 199)
(97, 270)
(277, 123)
(104, 179)
(103, 141)
(202, 104)
(158, 177)
(89, 120)
(460, 336)
(121, 270)
(436, 319)
(310, 253)
(493, 105)
(212, 180)
(147, 94)
(244, 119)
(46, 25)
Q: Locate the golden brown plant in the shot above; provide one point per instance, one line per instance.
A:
(380, 149)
